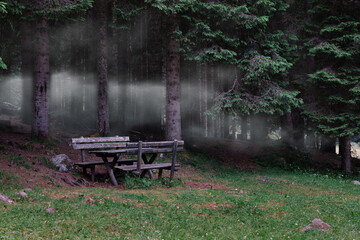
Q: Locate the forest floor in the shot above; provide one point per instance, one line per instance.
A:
(223, 190)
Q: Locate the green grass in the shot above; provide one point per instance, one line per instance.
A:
(18, 160)
(45, 161)
(49, 144)
(268, 204)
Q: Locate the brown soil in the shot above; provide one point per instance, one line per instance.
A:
(21, 144)
(15, 139)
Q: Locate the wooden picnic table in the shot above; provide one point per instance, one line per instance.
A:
(144, 152)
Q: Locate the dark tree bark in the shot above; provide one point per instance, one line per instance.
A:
(328, 145)
(103, 108)
(42, 75)
(287, 129)
(345, 152)
(298, 126)
(244, 127)
(26, 71)
(206, 126)
(173, 118)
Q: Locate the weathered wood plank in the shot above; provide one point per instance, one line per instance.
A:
(100, 139)
(154, 144)
(131, 151)
(99, 145)
(138, 162)
(102, 162)
(173, 160)
(147, 166)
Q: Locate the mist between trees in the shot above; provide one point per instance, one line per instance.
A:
(246, 69)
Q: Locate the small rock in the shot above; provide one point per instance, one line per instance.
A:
(356, 182)
(318, 224)
(91, 201)
(22, 194)
(265, 180)
(51, 210)
(27, 190)
(6, 199)
(63, 163)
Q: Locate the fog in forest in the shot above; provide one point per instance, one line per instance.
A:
(138, 106)
(136, 83)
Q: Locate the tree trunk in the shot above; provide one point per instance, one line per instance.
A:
(205, 72)
(287, 129)
(26, 71)
(298, 127)
(103, 107)
(345, 152)
(328, 145)
(226, 126)
(244, 127)
(173, 118)
(42, 75)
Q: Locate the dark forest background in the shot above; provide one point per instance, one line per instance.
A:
(249, 70)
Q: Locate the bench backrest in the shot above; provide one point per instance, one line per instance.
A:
(99, 142)
(165, 146)
(162, 144)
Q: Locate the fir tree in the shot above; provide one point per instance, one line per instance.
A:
(333, 38)
(2, 11)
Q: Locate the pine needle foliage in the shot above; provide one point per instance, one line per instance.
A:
(333, 40)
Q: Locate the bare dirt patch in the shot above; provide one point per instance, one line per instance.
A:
(31, 170)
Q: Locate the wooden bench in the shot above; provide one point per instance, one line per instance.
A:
(153, 148)
(97, 143)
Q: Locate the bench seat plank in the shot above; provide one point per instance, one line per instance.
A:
(135, 150)
(83, 164)
(146, 166)
(154, 144)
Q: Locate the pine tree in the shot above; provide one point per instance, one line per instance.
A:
(333, 37)
(173, 10)
(248, 35)
(43, 12)
(2, 11)
(103, 107)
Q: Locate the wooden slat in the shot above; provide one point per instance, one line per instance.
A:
(100, 139)
(146, 166)
(102, 162)
(99, 145)
(173, 160)
(155, 144)
(130, 151)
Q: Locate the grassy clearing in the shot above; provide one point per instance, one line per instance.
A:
(268, 204)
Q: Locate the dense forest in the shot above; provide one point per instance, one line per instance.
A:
(237, 69)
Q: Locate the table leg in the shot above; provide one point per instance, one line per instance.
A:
(160, 173)
(110, 169)
(144, 157)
